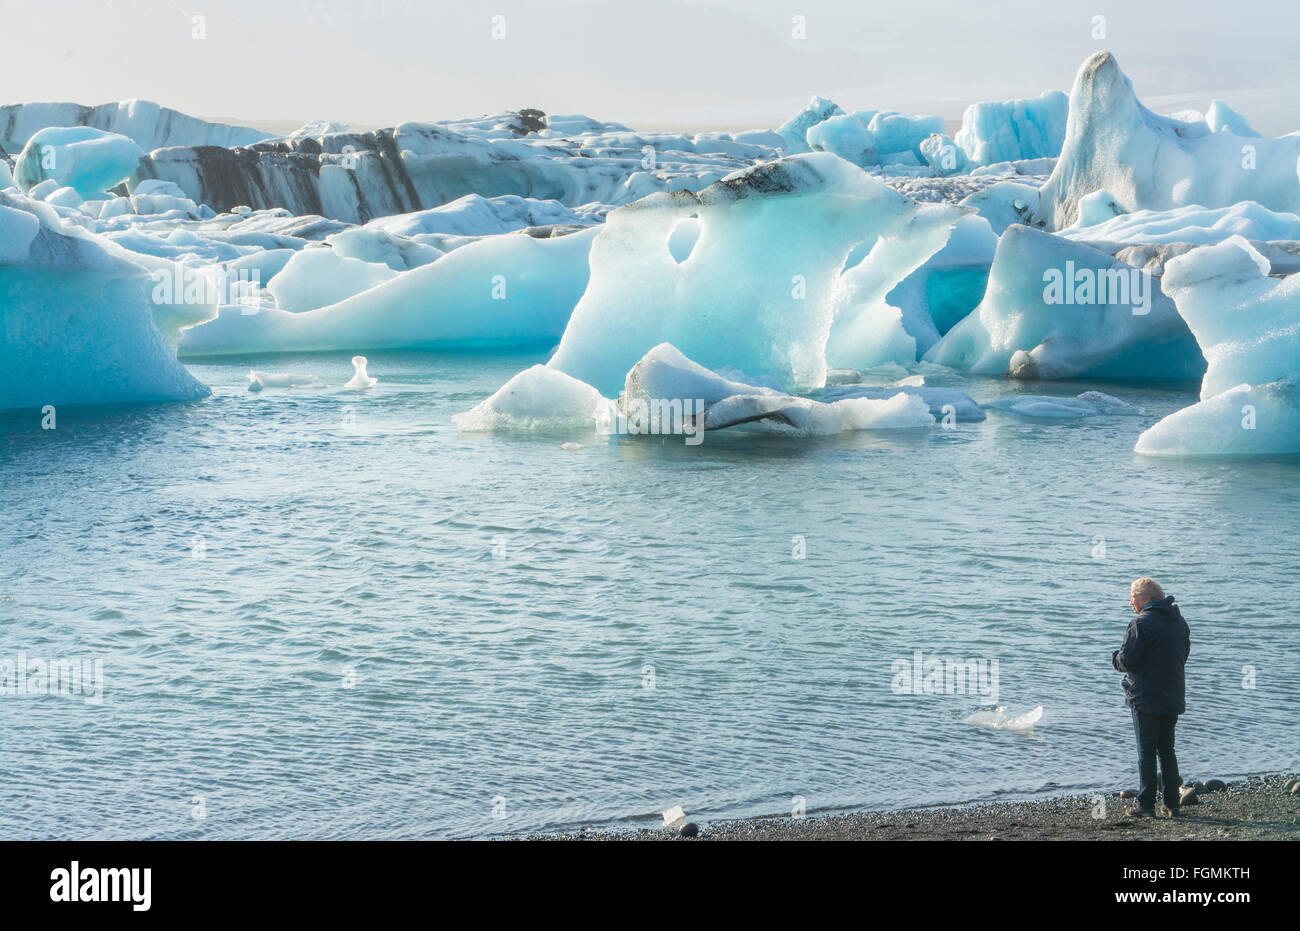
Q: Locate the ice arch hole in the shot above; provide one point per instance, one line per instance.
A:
(681, 240)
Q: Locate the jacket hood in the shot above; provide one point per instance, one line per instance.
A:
(1164, 607)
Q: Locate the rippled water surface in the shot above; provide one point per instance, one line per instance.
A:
(329, 615)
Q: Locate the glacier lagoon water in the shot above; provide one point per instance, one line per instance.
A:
(326, 614)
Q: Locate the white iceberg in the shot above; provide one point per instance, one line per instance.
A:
(146, 123)
(1151, 162)
(90, 161)
(665, 381)
(844, 135)
(1011, 130)
(539, 400)
(1248, 326)
(509, 290)
(76, 319)
(756, 290)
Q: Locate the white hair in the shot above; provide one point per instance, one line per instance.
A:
(1148, 588)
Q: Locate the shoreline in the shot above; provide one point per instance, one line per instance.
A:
(1254, 808)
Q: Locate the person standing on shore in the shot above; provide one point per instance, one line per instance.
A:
(1152, 656)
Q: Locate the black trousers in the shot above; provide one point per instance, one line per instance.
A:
(1155, 739)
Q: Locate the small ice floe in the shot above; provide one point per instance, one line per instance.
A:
(259, 380)
(674, 816)
(570, 446)
(1088, 404)
(998, 719)
(360, 380)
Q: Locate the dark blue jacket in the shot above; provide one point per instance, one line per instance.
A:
(1155, 648)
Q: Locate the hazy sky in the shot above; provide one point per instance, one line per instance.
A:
(653, 63)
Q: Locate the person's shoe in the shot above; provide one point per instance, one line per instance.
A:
(1173, 810)
(1141, 812)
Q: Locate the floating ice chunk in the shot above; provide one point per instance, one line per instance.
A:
(846, 136)
(940, 402)
(1152, 162)
(795, 130)
(360, 380)
(1242, 421)
(1088, 404)
(319, 277)
(500, 291)
(664, 372)
(76, 319)
(1248, 326)
(540, 400)
(665, 377)
(89, 160)
(998, 719)
(257, 381)
(1060, 309)
(756, 290)
(789, 415)
(1010, 130)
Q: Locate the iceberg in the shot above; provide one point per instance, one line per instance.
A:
(667, 393)
(90, 161)
(664, 377)
(846, 136)
(1248, 326)
(413, 167)
(501, 291)
(76, 318)
(795, 130)
(539, 400)
(1061, 309)
(756, 291)
(144, 122)
(1151, 162)
(1011, 130)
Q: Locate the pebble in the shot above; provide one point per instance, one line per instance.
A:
(1214, 785)
(1188, 796)
(1127, 793)
(690, 829)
